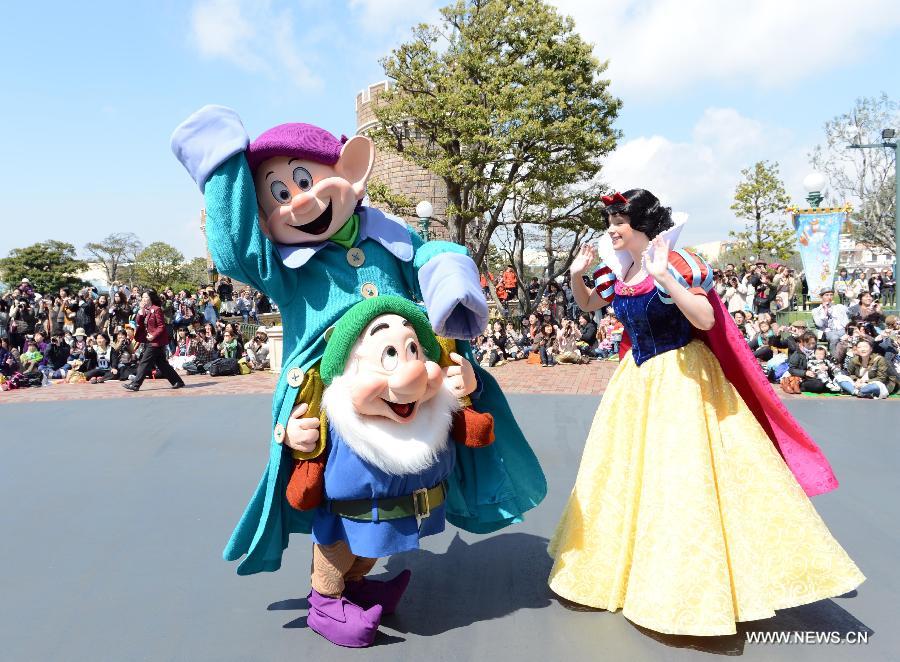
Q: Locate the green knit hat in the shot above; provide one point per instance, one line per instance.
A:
(347, 330)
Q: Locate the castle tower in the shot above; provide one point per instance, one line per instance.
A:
(398, 174)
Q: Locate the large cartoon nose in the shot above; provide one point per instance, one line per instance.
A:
(303, 203)
(409, 381)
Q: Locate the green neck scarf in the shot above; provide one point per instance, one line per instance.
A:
(346, 236)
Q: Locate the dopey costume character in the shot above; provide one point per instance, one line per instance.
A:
(387, 409)
(283, 214)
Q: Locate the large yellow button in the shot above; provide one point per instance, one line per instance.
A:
(279, 433)
(368, 290)
(295, 377)
(356, 257)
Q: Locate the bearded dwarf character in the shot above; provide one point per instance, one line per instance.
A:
(285, 214)
(388, 407)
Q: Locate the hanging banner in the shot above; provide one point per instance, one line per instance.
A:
(818, 240)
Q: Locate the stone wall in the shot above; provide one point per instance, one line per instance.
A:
(400, 175)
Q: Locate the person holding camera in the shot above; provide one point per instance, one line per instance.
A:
(831, 319)
(21, 323)
(152, 331)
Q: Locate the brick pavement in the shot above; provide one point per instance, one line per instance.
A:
(257, 382)
(515, 377)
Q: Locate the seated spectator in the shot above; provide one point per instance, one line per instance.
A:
(125, 367)
(56, 360)
(566, 339)
(490, 353)
(510, 282)
(236, 334)
(799, 364)
(587, 343)
(228, 348)
(740, 319)
(866, 309)
(31, 358)
(867, 374)
(824, 368)
(760, 342)
(888, 341)
(842, 352)
(184, 339)
(9, 358)
(499, 336)
(478, 349)
(184, 347)
(205, 348)
(515, 343)
(547, 345)
(100, 359)
(257, 350)
(830, 318)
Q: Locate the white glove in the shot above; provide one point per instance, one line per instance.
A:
(207, 139)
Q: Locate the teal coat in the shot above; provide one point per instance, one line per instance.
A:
(490, 487)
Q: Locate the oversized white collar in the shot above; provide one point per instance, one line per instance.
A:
(620, 261)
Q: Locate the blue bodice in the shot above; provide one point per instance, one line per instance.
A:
(652, 325)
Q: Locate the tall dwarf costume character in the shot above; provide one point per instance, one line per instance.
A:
(387, 410)
(690, 511)
(284, 214)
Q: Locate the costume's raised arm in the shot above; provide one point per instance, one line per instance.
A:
(211, 145)
(451, 290)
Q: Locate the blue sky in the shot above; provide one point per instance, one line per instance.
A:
(91, 94)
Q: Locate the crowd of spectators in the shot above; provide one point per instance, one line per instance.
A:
(853, 348)
(848, 349)
(87, 336)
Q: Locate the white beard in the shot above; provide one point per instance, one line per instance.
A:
(396, 448)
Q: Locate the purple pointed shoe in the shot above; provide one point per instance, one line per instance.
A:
(369, 592)
(341, 622)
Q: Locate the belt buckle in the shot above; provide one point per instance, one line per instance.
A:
(420, 503)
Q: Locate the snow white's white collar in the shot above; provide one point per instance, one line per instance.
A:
(620, 261)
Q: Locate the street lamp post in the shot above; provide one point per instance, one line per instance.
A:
(889, 141)
(814, 183)
(424, 211)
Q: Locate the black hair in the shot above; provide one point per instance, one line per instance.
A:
(154, 297)
(645, 213)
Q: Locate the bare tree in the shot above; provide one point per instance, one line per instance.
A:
(114, 252)
(863, 177)
(555, 222)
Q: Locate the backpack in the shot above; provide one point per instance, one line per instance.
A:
(779, 371)
(222, 367)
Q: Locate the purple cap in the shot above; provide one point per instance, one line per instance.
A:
(302, 141)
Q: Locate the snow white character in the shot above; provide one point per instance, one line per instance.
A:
(690, 511)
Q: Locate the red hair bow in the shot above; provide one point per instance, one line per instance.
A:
(616, 198)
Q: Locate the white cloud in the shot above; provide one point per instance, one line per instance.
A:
(658, 46)
(254, 37)
(699, 177)
(394, 17)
